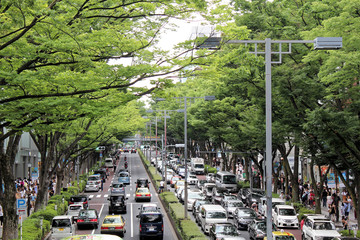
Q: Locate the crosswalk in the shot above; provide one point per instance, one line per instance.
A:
(105, 195)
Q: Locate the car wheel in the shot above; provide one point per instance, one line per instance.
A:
(302, 237)
(121, 234)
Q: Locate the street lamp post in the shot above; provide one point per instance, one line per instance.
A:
(320, 43)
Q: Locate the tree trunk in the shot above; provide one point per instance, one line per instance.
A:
(59, 179)
(313, 184)
(8, 200)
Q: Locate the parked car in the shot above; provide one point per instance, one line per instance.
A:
(92, 186)
(142, 194)
(285, 216)
(88, 217)
(219, 230)
(94, 179)
(243, 217)
(257, 229)
(173, 180)
(117, 203)
(142, 182)
(151, 224)
(117, 188)
(113, 224)
(80, 199)
(74, 209)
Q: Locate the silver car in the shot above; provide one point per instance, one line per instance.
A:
(74, 209)
(91, 187)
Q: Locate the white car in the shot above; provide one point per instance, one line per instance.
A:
(285, 216)
(74, 209)
(231, 205)
(169, 175)
(318, 227)
(91, 187)
(192, 179)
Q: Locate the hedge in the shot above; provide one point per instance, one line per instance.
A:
(32, 231)
(209, 169)
(169, 197)
(189, 230)
(177, 212)
(243, 184)
(349, 233)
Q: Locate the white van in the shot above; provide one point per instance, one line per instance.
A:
(109, 163)
(61, 227)
(210, 214)
(274, 202)
(226, 180)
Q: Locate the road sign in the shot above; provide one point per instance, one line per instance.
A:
(21, 203)
(102, 148)
(179, 145)
(21, 212)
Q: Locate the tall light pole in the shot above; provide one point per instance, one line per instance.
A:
(320, 43)
(206, 98)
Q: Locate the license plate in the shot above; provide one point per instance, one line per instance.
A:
(151, 229)
(61, 229)
(111, 228)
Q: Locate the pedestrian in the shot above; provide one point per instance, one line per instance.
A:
(28, 204)
(324, 197)
(33, 198)
(102, 184)
(344, 222)
(282, 197)
(336, 202)
(332, 212)
(1, 216)
(302, 222)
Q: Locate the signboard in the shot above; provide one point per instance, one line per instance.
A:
(34, 173)
(21, 206)
(331, 180)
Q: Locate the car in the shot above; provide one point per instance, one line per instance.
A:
(318, 227)
(74, 209)
(169, 174)
(193, 194)
(103, 173)
(253, 198)
(197, 203)
(192, 179)
(345, 238)
(61, 227)
(92, 186)
(178, 184)
(181, 172)
(109, 163)
(142, 194)
(173, 180)
(285, 216)
(282, 235)
(88, 217)
(122, 170)
(257, 229)
(117, 203)
(126, 150)
(113, 224)
(219, 230)
(117, 188)
(207, 189)
(93, 237)
(232, 238)
(243, 217)
(218, 194)
(227, 197)
(142, 182)
(148, 207)
(94, 179)
(231, 205)
(80, 199)
(124, 178)
(210, 177)
(133, 150)
(151, 224)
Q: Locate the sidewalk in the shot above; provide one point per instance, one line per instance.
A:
(23, 219)
(351, 220)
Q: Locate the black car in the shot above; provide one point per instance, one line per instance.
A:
(88, 217)
(80, 199)
(220, 230)
(117, 203)
(142, 182)
(257, 229)
(243, 217)
(151, 225)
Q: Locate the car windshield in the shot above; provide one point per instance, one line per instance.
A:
(94, 178)
(246, 213)
(284, 238)
(151, 218)
(90, 214)
(149, 208)
(123, 174)
(287, 212)
(209, 188)
(180, 183)
(324, 226)
(195, 195)
(175, 178)
(74, 207)
(112, 220)
(216, 214)
(116, 198)
(230, 179)
(235, 204)
(143, 190)
(262, 226)
(226, 230)
(61, 223)
(229, 197)
(77, 199)
(199, 166)
(117, 185)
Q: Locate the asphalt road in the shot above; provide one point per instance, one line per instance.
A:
(100, 203)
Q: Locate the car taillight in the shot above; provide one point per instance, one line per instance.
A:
(148, 195)
(71, 203)
(138, 195)
(85, 203)
(140, 227)
(93, 220)
(162, 227)
(80, 220)
(104, 228)
(121, 227)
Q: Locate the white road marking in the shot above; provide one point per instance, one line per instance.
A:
(91, 196)
(93, 231)
(131, 219)
(128, 195)
(106, 195)
(98, 195)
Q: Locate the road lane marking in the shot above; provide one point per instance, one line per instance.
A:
(98, 195)
(106, 195)
(93, 231)
(131, 219)
(91, 196)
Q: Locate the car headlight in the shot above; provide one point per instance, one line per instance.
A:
(318, 237)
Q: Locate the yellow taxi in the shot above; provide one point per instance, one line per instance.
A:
(113, 224)
(142, 194)
(282, 235)
(93, 237)
(179, 183)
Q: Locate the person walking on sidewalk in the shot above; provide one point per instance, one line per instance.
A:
(1, 216)
(324, 197)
